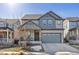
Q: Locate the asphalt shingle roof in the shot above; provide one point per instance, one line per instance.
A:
(73, 18)
(10, 21)
(32, 16)
(37, 16)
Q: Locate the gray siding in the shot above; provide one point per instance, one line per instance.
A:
(30, 25)
(59, 23)
(48, 22)
(45, 24)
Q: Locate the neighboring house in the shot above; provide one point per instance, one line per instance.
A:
(6, 31)
(71, 26)
(46, 28)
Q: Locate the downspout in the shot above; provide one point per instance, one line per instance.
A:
(76, 33)
(7, 35)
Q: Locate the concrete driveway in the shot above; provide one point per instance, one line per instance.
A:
(54, 48)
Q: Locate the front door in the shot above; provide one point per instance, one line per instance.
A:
(1, 35)
(36, 35)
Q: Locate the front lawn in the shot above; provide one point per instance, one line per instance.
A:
(14, 51)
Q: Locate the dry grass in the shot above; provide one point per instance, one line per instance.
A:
(14, 51)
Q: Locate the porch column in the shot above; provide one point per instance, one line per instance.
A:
(7, 35)
(62, 37)
(77, 38)
(40, 35)
(11, 35)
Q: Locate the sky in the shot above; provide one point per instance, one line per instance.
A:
(20, 9)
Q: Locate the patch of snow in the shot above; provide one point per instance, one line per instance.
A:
(39, 53)
(36, 48)
(66, 53)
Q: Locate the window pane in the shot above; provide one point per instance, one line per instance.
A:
(58, 22)
(44, 22)
(2, 24)
(49, 22)
(72, 24)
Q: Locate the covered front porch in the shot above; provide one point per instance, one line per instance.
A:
(32, 36)
(74, 35)
(6, 36)
(29, 33)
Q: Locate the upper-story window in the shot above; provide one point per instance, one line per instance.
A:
(49, 22)
(10, 26)
(44, 22)
(72, 24)
(2, 24)
(58, 22)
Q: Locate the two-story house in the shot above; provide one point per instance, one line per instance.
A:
(71, 26)
(47, 28)
(6, 31)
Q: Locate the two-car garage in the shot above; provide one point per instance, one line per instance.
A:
(50, 37)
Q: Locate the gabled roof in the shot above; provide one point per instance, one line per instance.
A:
(29, 25)
(38, 16)
(5, 28)
(31, 16)
(72, 18)
(10, 21)
(54, 15)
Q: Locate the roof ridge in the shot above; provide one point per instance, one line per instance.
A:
(38, 16)
(55, 14)
(72, 17)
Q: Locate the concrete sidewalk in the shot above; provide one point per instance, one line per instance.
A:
(53, 48)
